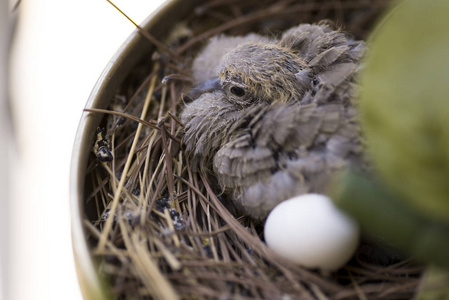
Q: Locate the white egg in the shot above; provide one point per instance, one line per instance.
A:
(311, 231)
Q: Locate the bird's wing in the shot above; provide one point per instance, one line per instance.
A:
(239, 163)
(262, 135)
(333, 58)
(321, 46)
(246, 173)
(282, 151)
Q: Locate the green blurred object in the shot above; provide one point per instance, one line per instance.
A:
(435, 285)
(386, 215)
(404, 108)
(405, 104)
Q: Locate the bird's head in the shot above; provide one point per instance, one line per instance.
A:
(259, 73)
(262, 72)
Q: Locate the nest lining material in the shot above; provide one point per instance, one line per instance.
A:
(159, 230)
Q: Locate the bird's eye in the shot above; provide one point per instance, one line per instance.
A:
(237, 91)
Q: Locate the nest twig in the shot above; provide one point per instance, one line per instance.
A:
(161, 230)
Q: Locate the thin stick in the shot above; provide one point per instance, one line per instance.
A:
(147, 35)
(172, 227)
(153, 178)
(109, 220)
(128, 116)
(151, 123)
(168, 161)
(171, 259)
(145, 265)
(277, 8)
(142, 201)
(175, 119)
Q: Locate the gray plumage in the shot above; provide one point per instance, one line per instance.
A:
(279, 120)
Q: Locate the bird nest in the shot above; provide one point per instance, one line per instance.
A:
(160, 230)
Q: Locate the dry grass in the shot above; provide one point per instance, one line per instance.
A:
(160, 230)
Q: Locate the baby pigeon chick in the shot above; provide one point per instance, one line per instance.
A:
(278, 120)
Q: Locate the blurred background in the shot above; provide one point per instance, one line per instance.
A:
(57, 51)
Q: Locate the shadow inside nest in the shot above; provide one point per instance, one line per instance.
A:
(161, 230)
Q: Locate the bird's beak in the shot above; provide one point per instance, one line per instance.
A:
(207, 86)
